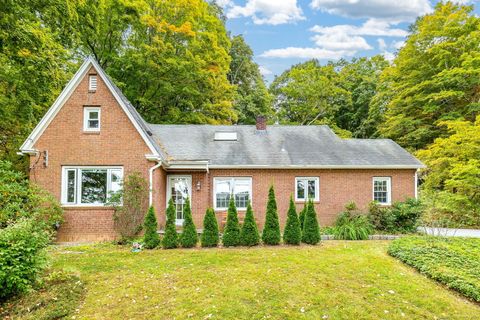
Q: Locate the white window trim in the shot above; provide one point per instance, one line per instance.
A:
(86, 117)
(317, 188)
(231, 179)
(178, 222)
(389, 190)
(78, 185)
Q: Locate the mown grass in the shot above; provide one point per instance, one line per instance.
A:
(455, 262)
(334, 280)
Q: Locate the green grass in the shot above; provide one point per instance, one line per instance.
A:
(337, 279)
(455, 262)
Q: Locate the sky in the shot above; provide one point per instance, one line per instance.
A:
(286, 32)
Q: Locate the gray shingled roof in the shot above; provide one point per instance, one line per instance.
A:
(279, 146)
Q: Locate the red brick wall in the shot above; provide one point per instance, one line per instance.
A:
(117, 144)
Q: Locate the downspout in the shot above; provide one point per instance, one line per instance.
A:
(150, 194)
(416, 184)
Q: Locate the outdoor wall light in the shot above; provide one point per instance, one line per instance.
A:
(198, 185)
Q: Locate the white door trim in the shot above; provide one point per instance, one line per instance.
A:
(169, 191)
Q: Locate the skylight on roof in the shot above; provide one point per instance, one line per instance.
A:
(225, 136)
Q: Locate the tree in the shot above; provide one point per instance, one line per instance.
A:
(189, 237)
(249, 234)
(231, 234)
(210, 237)
(311, 229)
(452, 178)
(151, 239)
(271, 231)
(434, 78)
(252, 97)
(170, 239)
(301, 216)
(292, 233)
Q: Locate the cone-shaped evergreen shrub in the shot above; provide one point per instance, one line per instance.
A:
(311, 229)
(231, 234)
(301, 216)
(170, 239)
(188, 238)
(210, 236)
(249, 234)
(292, 233)
(151, 239)
(271, 231)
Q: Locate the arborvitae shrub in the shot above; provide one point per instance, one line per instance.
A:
(271, 231)
(301, 216)
(231, 234)
(292, 233)
(188, 238)
(249, 235)
(311, 229)
(170, 239)
(210, 237)
(151, 239)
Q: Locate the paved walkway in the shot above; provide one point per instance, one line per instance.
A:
(446, 232)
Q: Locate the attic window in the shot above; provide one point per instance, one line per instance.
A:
(225, 136)
(92, 82)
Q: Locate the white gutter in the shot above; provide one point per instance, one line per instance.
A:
(150, 194)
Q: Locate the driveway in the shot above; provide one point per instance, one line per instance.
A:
(447, 232)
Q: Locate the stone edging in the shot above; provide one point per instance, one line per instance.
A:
(371, 237)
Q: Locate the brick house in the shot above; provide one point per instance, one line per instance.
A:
(92, 137)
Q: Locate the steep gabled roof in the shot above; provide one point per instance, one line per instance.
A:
(132, 114)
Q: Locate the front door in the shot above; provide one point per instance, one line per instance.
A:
(179, 189)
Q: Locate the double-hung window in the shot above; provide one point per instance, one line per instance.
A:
(307, 188)
(238, 187)
(91, 119)
(90, 185)
(382, 190)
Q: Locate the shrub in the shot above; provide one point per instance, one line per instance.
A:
(311, 229)
(210, 236)
(151, 239)
(231, 234)
(400, 217)
(189, 237)
(352, 225)
(292, 233)
(249, 234)
(130, 205)
(271, 231)
(22, 255)
(301, 216)
(170, 239)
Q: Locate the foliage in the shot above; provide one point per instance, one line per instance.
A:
(21, 199)
(293, 232)
(231, 234)
(189, 237)
(271, 231)
(170, 239)
(301, 215)
(151, 239)
(130, 205)
(434, 77)
(311, 229)
(402, 217)
(56, 297)
(210, 236)
(352, 225)
(454, 262)
(252, 97)
(452, 178)
(22, 255)
(249, 234)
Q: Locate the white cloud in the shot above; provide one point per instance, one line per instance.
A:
(398, 44)
(382, 46)
(266, 11)
(390, 10)
(371, 27)
(307, 53)
(264, 71)
(341, 41)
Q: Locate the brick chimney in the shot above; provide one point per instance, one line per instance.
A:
(261, 123)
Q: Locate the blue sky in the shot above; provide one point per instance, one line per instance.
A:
(285, 32)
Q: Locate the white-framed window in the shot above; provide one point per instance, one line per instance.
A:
(92, 82)
(179, 189)
(382, 190)
(239, 187)
(91, 119)
(307, 188)
(90, 186)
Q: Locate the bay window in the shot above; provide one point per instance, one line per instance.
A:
(239, 187)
